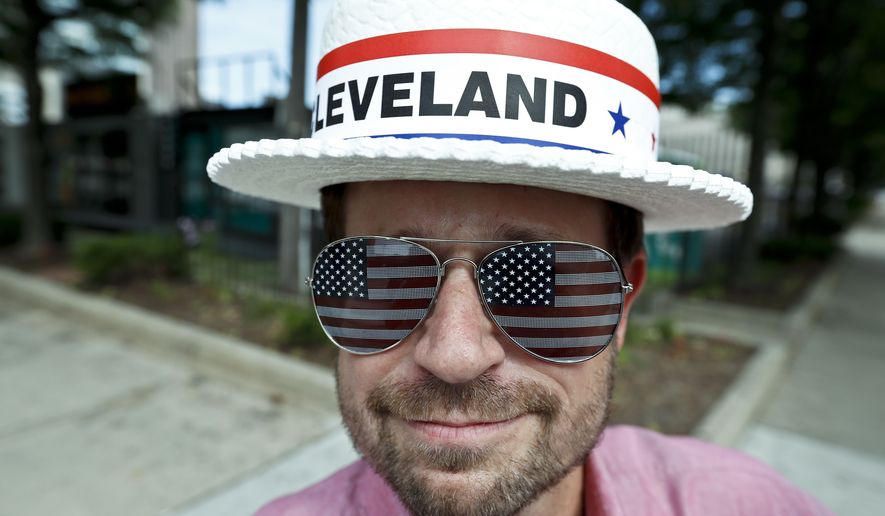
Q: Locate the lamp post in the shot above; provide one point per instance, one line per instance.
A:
(295, 227)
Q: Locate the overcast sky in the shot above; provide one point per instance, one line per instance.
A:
(229, 28)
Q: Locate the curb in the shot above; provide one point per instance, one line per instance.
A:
(289, 472)
(204, 350)
(801, 317)
(725, 422)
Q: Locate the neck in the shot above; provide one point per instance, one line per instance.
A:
(565, 497)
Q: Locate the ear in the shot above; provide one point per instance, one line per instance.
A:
(635, 272)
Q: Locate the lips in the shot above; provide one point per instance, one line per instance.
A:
(460, 431)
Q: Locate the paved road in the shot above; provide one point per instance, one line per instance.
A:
(824, 426)
(94, 426)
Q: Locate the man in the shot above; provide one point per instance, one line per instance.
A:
(485, 169)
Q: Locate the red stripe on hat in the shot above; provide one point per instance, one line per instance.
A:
(490, 41)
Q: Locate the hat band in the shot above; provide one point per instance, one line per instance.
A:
(486, 84)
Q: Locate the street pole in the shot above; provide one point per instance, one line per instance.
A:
(292, 235)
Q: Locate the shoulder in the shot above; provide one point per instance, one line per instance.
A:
(688, 476)
(355, 489)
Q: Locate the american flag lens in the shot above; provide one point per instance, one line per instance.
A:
(371, 292)
(560, 301)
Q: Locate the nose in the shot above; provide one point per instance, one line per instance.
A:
(457, 341)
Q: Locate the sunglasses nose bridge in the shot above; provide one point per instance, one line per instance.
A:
(442, 267)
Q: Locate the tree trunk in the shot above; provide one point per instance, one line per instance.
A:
(817, 102)
(811, 100)
(745, 257)
(823, 164)
(792, 208)
(37, 236)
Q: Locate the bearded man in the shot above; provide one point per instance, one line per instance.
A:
(486, 171)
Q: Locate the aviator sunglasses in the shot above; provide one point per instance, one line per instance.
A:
(559, 301)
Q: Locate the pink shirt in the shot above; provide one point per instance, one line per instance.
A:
(632, 471)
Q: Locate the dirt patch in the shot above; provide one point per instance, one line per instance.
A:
(669, 386)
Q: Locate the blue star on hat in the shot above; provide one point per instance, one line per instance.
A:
(620, 121)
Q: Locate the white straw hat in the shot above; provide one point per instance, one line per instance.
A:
(560, 94)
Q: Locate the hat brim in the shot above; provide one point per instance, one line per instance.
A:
(671, 197)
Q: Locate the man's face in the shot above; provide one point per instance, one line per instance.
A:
(457, 418)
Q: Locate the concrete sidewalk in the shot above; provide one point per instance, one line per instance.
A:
(95, 424)
(823, 425)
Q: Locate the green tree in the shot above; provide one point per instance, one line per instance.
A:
(718, 47)
(805, 75)
(34, 34)
(832, 87)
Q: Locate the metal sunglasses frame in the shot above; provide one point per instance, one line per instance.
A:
(626, 287)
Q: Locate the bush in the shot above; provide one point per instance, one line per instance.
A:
(121, 258)
(299, 327)
(10, 229)
(820, 225)
(796, 248)
(856, 207)
(667, 330)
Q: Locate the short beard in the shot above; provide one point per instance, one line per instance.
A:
(562, 443)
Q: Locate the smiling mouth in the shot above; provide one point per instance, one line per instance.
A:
(460, 432)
